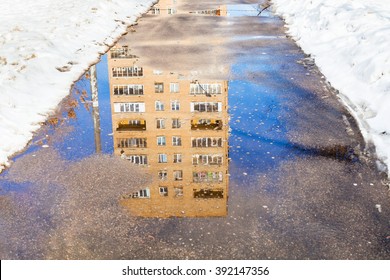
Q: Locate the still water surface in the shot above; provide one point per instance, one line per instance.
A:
(206, 144)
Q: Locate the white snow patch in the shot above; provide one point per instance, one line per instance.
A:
(44, 47)
(349, 41)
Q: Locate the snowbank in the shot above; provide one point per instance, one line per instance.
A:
(45, 46)
(349, 41)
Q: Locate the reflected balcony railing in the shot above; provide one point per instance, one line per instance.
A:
(206, 124)
(131, 125)
(208, 193)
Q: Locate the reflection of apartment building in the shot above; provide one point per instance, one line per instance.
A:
(165, 7)
(171, 7)
(178, 130)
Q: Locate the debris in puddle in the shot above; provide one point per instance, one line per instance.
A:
(45, 146)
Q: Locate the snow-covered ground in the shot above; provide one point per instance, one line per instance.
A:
(350, 42)
(45, 45)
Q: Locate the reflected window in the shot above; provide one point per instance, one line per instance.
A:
(145, 193)
(128, 89)
(178, 191)
(178, 175)
(176, 141)
(157, 72)
(212, 159)
(123, 52)
(162, 158)
(160, 123)
(132, 143)
(163, 175)
(155, 11)
(159, 106)
(163, 191)
(206, 142)
(129, 107)
(195, 159)
(204, 121)
(176, 123)
(206, 106)
(138, 159)
(158, 87)
(175, 105)
(171, 11)
(207, 176)
(161, 141)
(206, 89)
(133, 71)
(177, 158)
(174, 87)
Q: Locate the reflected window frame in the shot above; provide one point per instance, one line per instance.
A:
(175, 105)
(159, 105)
(161, 140)
(179, 192)
(177, 158)
(176, 123)
(178, 175)
(160, 123)
(163, 175)
(162, 158)
(163, 191)
(174, 87)
(176, 141)
(158, 87)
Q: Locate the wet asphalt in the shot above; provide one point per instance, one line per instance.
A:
(303, 183)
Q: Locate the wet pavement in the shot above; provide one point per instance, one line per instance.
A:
(300, 182)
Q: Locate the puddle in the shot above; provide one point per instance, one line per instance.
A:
(204, 145)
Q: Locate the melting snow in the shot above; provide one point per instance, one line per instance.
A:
(44, 47)
(349, 41)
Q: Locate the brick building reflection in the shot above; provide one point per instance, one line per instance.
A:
(177, 128)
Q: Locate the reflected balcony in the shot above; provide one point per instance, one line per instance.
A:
(131, 125)
(208, 193)
(206, 124)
